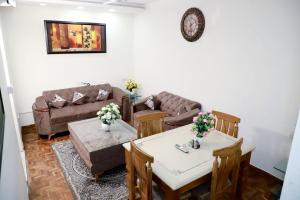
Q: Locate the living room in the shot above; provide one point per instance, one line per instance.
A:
(243, 61)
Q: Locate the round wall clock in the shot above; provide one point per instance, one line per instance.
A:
(192, 24)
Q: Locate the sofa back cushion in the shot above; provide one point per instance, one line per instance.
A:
(172, 103)
(67, 94)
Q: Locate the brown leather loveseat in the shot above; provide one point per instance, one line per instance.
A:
(49, 120)
(180, 111)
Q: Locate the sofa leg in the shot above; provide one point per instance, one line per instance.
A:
(49, 136)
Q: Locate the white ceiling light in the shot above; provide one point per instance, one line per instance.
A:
(80, 7)
(7, 3)
(43, 4)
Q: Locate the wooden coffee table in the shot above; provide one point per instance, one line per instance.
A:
(100, 150)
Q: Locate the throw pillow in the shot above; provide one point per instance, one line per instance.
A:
(182, 110)
(79, 98)
(57, 101)
(102, 95)
(152, 103)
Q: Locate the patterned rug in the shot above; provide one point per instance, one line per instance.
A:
(110, 186)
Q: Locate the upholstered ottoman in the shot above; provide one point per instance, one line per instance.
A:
(100, 150)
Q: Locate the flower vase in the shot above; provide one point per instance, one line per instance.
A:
(200, 140)
(106, 127)
(132, 95)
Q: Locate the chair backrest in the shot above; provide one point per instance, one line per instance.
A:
(226, 123)
(150, 124)
(140, 174)
(226, 170)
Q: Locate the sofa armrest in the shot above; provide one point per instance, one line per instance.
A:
(41, 105)
(118, 94)
(140, 105)
(183, 119)
(41, 116)
(122, 98)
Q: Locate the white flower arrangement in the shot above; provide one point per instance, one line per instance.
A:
(131, 85)
(109, 114)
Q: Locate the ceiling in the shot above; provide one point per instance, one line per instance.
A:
(98, 3)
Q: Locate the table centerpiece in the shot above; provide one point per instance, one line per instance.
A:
(108, 115)
(203, 123)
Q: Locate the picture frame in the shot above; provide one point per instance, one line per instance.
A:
(65, 37)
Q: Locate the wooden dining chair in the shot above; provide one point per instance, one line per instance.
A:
(225, 174)
(150, 124)
(226, 171)
(140, 176)
(226, 123)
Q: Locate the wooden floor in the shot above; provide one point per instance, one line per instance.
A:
(46, 180)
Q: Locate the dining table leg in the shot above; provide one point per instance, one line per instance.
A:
(243, 175)
(172, 195)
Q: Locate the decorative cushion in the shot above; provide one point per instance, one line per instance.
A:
(102, 95)
(152, 103)
(182, 109)
(58, 101)
(79, 98)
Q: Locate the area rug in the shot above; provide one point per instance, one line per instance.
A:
(110, 186)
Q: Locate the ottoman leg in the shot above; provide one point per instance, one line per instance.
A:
(97, 176)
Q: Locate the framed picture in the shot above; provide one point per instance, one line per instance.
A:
(75, 37)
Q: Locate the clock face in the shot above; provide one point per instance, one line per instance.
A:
(192, 24)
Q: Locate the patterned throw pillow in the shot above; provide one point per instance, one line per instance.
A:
(57, 101)
(79, 98)
(102, 95)
(151, 103)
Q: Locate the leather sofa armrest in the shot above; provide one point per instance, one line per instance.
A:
(41, 116)
(139, 105)
(183, 119)
(122, 98)
(119, 94)
(41, 105)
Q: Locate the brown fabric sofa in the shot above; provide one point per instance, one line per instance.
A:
(170, 104)
(49, 120)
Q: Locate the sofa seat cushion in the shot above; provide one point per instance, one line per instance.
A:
(77, 112)
(143, 112)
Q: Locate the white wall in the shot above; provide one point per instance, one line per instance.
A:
(13, 184)
(33, 71)
(291, 183)
(246, 63)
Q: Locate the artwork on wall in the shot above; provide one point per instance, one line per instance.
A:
(75, 37)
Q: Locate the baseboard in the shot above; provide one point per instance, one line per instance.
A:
(266, 173)
(26, 119)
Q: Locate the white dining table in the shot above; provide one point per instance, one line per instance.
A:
(177, 172)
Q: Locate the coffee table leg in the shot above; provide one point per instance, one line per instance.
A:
(97, 176)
